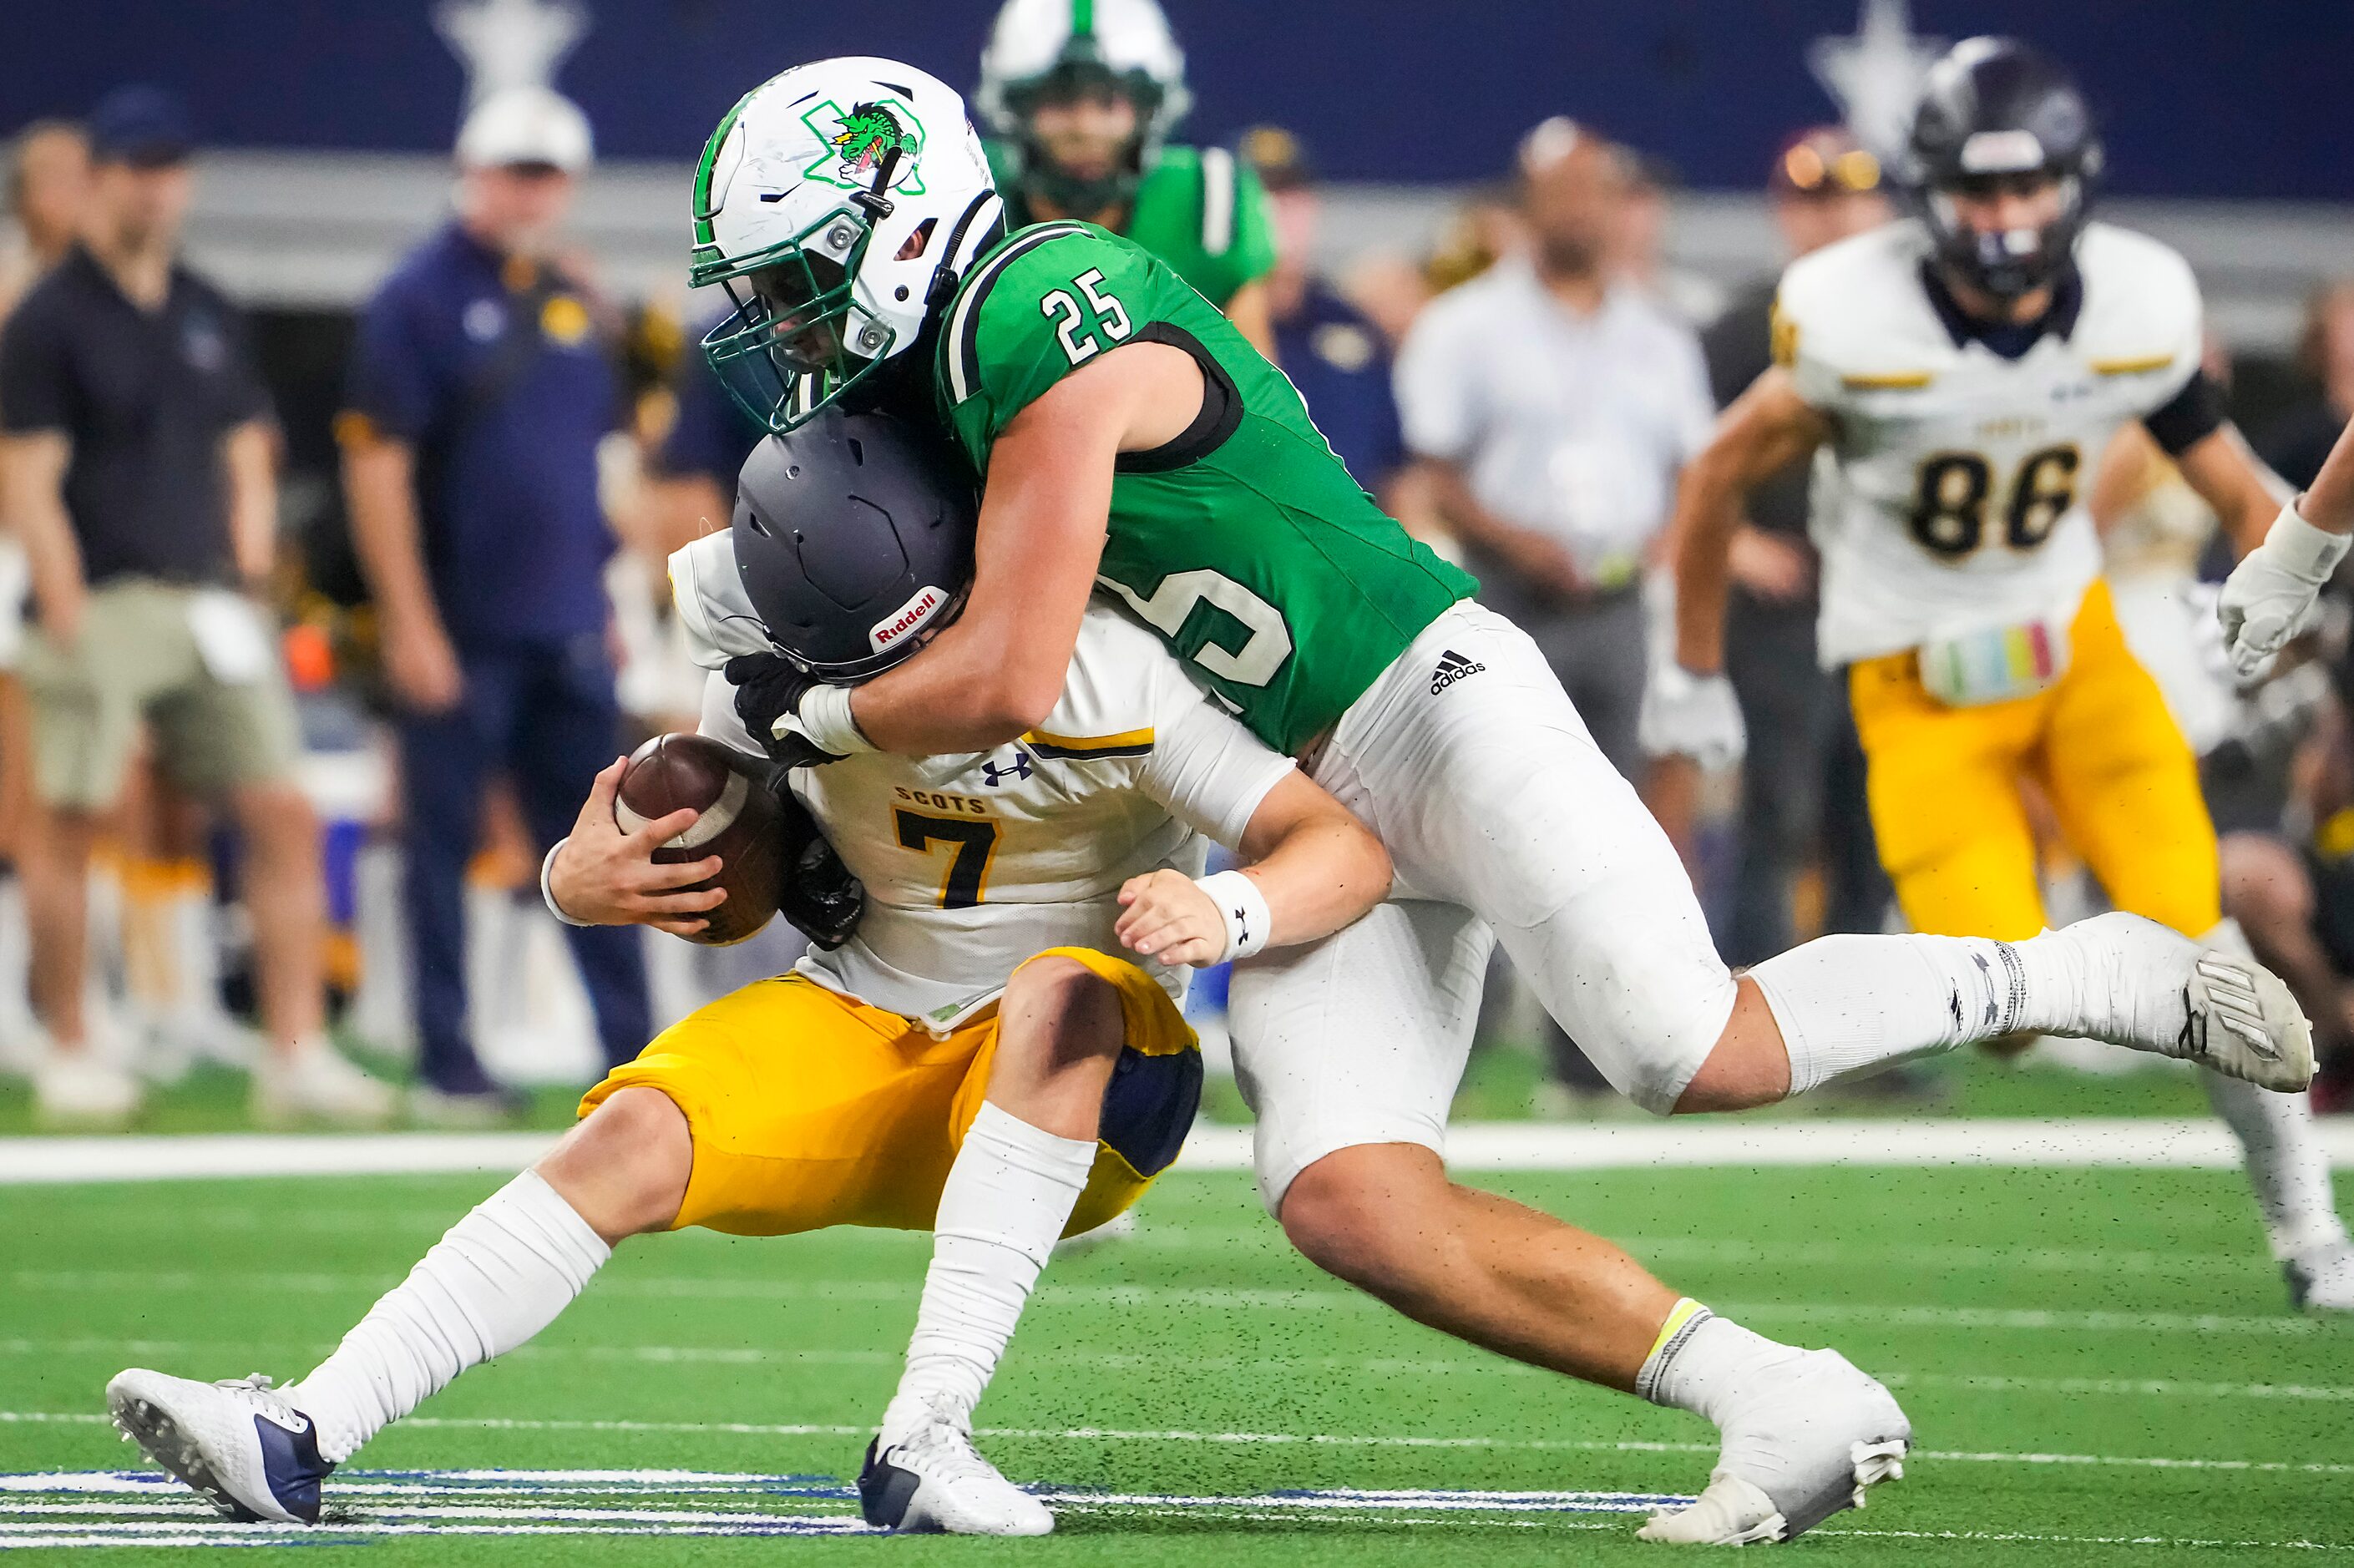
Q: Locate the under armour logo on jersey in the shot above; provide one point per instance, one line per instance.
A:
(1018, 769)
(1452, 667)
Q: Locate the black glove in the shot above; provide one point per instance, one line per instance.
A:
(768, 688)
(814, 890)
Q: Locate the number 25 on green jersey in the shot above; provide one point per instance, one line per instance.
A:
(1077, 329)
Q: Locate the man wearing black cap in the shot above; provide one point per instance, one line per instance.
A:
(137, 463)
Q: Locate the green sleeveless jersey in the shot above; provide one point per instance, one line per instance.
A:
(1200, 209)
(1244, 542)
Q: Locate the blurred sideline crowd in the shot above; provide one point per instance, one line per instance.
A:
(313, 630)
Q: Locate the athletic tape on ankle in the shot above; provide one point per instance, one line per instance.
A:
(1684, 1319)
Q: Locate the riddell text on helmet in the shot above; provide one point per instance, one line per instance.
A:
(906, 618)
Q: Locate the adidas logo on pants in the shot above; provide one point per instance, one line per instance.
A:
(1452, 667)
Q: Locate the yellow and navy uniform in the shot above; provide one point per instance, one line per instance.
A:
(838, 1095)
(811, 1108)
(1960, 571)
(1944, 790)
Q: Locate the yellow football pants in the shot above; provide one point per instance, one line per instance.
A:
(808, 1109)
(1944, 786)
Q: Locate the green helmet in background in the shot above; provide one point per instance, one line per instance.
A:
(1044, 51)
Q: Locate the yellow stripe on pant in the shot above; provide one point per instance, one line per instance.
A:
(1945, 786)
(808, 1109)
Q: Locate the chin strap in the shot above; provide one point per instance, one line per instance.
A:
(872, 201)
(944, 276)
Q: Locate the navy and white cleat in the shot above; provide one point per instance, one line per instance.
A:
(930, 1481)
(1809, 1438)
(239, 1444)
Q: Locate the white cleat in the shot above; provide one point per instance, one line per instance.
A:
(928, 1480)
(1808, 1440)
(2322, 1279)
(2152, 989)
(241, 1445)
(83, 1089)
(314, 1082)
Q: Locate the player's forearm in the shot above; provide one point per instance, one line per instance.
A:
(1708, 512)
(385, 535)
(1764, 431)
(999, 670)
(2244, 495)
(1324, 873)
(975, 688)
(2330, 503)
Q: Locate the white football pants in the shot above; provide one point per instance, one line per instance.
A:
(1501, 815)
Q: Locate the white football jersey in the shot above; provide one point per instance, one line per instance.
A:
(975, 863)
(1949, 498)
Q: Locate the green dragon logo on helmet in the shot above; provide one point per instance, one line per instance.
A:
(857, 142)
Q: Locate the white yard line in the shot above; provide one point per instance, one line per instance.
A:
(1161, 1233)
(2199, 1144)
(1313, 1440)
(1214, 1297)
(226, 1351)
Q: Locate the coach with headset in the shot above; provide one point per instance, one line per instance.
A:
(480, 388)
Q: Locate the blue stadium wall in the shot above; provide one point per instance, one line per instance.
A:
(2200, 99)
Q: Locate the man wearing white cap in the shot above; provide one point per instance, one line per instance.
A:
(480, 387)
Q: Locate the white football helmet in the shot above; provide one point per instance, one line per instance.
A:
(1039, 49)
(837, 204)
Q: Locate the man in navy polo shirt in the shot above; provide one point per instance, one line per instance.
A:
(1333, 354)
(480, 388)
(137, 467)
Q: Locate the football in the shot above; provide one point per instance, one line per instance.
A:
(738, 823)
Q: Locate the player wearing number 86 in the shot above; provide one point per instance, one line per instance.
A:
(1959, 375)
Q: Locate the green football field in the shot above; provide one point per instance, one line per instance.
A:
(2099, 1365)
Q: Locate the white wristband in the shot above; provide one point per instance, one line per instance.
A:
(547, 893)
(1248, 922)
(824, 716)
(2311, 553)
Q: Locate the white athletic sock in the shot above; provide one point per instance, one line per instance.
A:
(1703, 1362)
(2287, 1165)
(499, 1277)
(1850, 1005)
(1008, 1196)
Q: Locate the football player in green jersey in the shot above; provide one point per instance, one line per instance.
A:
(1081, 96)
(1128, 436)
